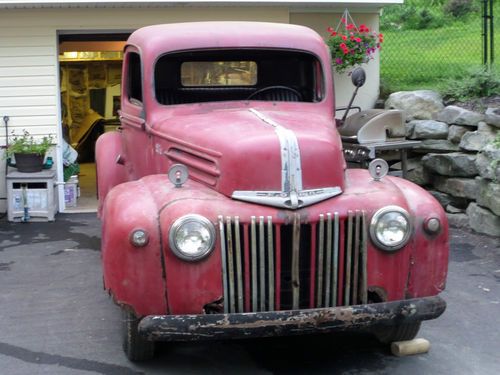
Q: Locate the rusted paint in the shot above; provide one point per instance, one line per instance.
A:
(195, 327)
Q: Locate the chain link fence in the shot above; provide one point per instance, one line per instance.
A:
(425, 58)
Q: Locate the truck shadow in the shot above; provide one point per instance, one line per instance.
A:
(339, 352)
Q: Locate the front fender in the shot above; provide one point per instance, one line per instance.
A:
(429, 252)
(133, 275)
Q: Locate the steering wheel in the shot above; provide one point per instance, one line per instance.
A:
(276, 88)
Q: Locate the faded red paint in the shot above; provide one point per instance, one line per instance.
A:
(226, 148)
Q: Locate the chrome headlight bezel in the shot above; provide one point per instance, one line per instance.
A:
(378, 216)
(179, 224)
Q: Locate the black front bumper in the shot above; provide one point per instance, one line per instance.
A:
(281, 323)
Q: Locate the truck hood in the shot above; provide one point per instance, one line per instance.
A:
(281, 158)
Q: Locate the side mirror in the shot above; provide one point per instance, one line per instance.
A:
(358, 77)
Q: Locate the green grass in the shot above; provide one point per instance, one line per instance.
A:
(424, 59)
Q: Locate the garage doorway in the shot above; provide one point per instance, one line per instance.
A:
(90, 84)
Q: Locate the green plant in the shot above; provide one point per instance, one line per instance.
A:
(480, 82)
(496, 141)
(27, 144)
(353, 47)
(459, 8)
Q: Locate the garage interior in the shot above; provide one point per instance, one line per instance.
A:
(90, 83)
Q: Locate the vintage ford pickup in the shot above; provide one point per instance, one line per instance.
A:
(227, 208)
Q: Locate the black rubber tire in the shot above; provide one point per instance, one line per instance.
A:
(400, 332)
(136, 347)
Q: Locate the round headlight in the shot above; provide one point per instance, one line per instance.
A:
(390, 228)
(192, 237)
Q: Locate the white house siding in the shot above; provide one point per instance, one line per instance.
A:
(29, 87)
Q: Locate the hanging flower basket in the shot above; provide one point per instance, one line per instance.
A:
(351, 45)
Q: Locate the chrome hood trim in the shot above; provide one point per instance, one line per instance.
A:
(291, 199)
(291, 194)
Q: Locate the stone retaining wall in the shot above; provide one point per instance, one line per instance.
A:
(458, 160)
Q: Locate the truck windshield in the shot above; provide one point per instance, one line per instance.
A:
(243, 74)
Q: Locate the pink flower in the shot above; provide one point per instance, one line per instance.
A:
(344, 37)
(358, 40)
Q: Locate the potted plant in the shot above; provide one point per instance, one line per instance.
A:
(351, 45)
(29, 153)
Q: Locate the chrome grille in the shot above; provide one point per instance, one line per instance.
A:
(268, 266)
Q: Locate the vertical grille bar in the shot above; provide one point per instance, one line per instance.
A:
(230, 266)
(341, 269)
(335, 264)
(329, 249)
(348, 256)
(321, 249)
(239, 271)
(262, 265)
(312, 278)
(246, 246)
(224, 262)
(355, 276)
(295, 262)
(278, 268)
(364, 260)
(270, 261)
(254, 276)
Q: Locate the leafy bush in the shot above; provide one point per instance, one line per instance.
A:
(410, 17)
(459, 8)
(479, 83)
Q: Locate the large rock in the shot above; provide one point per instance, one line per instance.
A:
(492, 117)
(483, 220)
(489, 195)
(458, 220)
(418, 105)
(419, 176)
(457, 187)
(475, 141)
(436, 145)
(446, 200)
(485, 128)
(456, 132)
(459, 116)
(488, 162)
(455, 164)
(427, 129)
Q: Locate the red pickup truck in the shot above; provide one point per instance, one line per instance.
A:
(228, 210)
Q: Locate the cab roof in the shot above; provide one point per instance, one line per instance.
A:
(159, 39)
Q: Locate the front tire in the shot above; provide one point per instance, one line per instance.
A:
(136, 347)
(400, 332)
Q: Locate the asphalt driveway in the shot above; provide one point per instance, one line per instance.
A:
(55, 317)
